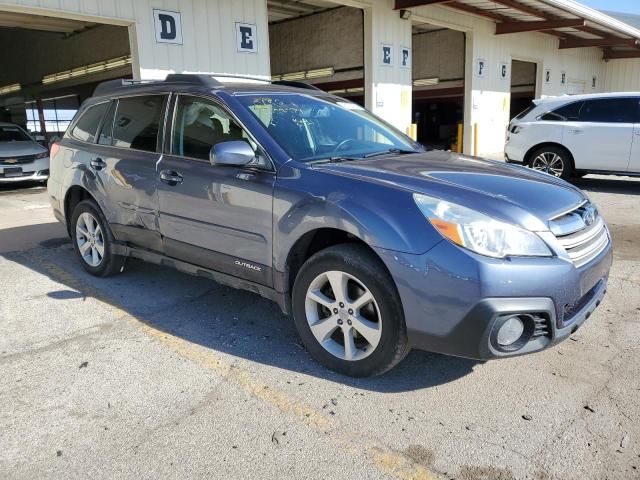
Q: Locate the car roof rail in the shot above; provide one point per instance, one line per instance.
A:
(209, 80)
(292, 83)
(110, 85)
(201, 79)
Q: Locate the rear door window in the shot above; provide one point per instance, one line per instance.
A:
(610, 110)
(566, 113)
(87, 125)
(138, 121)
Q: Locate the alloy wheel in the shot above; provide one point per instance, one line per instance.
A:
(549, 162)
(343, 315)
(90, 239)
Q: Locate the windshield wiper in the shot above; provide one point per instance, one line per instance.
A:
(400, 151)
(335, 160)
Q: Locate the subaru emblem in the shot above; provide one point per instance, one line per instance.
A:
(589, 215)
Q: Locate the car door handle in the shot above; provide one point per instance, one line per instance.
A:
(577, 131)
(98, 164)
(170, 177)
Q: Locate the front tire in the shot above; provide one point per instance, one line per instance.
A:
(92, 240)
(348, 312)
(553, 160)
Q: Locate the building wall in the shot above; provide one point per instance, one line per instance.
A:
(488, 97)
(387, 88)
(208, 27)
(623, 75)
(330, 39)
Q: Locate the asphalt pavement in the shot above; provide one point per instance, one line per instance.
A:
(156, 374)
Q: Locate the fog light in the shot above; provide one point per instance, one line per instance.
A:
(510, 331)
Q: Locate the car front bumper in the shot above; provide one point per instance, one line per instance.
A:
(455, 300)
(37, 171)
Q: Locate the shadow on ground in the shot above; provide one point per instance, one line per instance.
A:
(616, 185)
(219, 318)
(22, 187)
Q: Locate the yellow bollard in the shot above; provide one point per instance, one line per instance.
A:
(460, 140)
(475, 139)
(414, 131)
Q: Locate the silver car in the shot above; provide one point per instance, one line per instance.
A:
(21, 157)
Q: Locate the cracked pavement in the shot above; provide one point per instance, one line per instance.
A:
(154, 373)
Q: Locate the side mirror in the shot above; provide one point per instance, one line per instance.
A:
(235, 153)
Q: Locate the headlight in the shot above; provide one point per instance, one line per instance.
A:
(42, 155)
(478, 232)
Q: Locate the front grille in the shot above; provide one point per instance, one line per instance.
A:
(10, 161)
(582, 233)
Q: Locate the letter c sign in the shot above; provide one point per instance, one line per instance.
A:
(168, 26)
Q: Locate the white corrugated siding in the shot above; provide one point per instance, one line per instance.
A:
(623, 75)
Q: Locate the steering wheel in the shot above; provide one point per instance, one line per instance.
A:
(343, 143)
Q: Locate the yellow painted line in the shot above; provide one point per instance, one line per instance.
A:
(388, 461)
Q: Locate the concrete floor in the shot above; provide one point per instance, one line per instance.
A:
(155, 374)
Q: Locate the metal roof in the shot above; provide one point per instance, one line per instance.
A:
(577, 26)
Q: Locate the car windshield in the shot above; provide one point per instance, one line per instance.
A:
(311, 128)
(10, 133)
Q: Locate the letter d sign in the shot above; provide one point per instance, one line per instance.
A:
(168, 26)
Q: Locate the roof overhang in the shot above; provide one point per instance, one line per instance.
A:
(574, 24)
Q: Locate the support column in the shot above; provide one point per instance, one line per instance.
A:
(388, 82)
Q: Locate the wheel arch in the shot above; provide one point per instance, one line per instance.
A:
(530, 152)
(314, 241)
(74, 195)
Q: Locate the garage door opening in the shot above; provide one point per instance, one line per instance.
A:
(319, 43)
(438, 85)
(523, 85)
(52, 66)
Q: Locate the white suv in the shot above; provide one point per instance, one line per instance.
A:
(575, 135)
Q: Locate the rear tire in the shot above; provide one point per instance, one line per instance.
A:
(359, 331)
(92, 240)
(553, 160)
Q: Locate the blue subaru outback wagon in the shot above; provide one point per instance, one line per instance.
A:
(373, 245)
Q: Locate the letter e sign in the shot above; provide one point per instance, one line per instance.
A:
(168, 26)
(246, 37)
(386, 59)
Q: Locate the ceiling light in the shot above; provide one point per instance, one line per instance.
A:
(426, 82)
(105, 65)
(14, 87)
(306, 74)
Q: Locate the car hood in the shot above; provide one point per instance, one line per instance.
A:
(18, 149)
(513, 193)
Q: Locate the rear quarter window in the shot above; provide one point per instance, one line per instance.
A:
(525, 112)
(87, 124)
